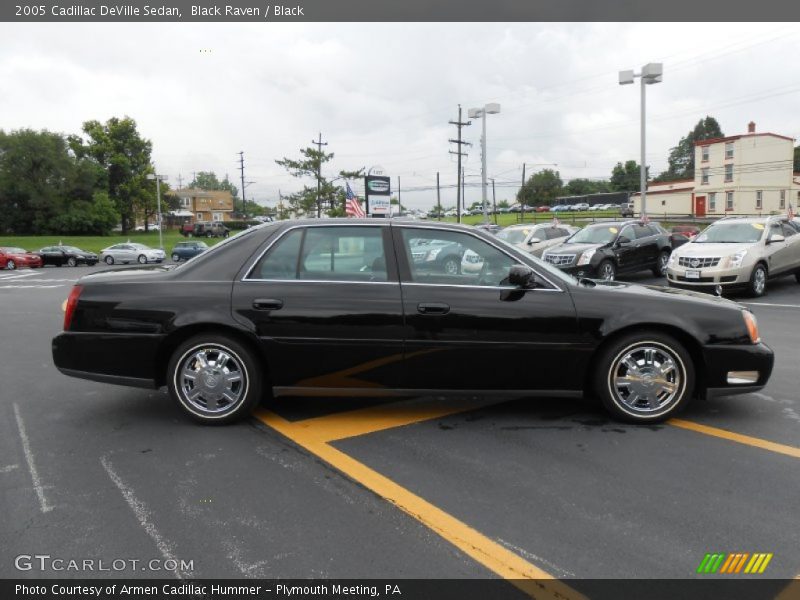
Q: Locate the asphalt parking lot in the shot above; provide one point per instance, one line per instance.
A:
(417, 488)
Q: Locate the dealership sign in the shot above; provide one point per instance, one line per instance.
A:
(378, 192)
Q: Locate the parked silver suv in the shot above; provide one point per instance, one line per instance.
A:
(536, 238)
(737, 253)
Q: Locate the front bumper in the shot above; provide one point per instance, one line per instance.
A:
(726, 363)
(709, 277)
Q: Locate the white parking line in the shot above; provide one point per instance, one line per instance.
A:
(26, 287)
(16, 275)
(770, 304)
(142, 514)
(26, 448)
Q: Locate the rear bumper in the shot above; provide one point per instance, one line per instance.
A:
(723, 361)
(120, 358)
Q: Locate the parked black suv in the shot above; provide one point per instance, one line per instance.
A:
(206, 229)
(602, 250)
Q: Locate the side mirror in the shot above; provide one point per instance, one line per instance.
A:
(521, 276)
(776, 238)
(623, 241)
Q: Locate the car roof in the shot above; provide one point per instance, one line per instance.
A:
(751, 219)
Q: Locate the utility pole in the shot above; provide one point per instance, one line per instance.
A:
(319, 144)
(494, 201)
(180, 182)
(438, 198)
(522, 195)
(463, 191)
(399, 198)
(241, 168)
(459, 124)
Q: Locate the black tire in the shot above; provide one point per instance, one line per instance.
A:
(72, 262)
(757, 286)
(623, 400)
(607, 270)
(451, 265)
(141, 259)
(109, 260)
(11, 265)
(660, 270)
(209, 235)
(176, 258)
(249, 389)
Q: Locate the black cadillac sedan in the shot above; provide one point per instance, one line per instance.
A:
(340, 307)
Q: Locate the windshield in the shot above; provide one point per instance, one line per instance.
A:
(602, 234)
(15, 250)
(514, 236)
(731, 233)
(548, 270)
(71, 249)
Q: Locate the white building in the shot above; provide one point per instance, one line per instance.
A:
(748, 174)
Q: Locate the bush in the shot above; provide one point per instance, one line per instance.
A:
(97, 217)
(239, 225)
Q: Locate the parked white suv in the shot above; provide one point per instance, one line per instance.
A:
(737, 253)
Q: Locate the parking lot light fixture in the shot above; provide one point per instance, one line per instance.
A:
(651, 73)
(480, 113)
(159, 179)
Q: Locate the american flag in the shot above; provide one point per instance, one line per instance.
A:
(790, 212)
(352, 206)
(645, 219)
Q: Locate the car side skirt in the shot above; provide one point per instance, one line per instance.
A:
(288, 391)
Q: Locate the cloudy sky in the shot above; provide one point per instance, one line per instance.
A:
(382, 94)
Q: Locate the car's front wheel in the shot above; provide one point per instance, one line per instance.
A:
(142, 259)
(645, 377)
(109, 260)
(72, 262)
(214, 379)
(758, 281)
(660, 270)
(11, 265)
(607, 271)
(176, 258)
(451, 265)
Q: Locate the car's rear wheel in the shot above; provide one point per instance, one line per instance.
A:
(607, 270)
(176, 258)
(72, 262)
(758, 281)
(142, 259)
(109, 260)
(11, 265)
(645, 377)
(214, 379)
(660, 270)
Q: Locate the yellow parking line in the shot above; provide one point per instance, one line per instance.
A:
(362, 421)
(737, 437)
(526, 576)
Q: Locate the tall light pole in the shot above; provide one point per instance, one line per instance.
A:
(651, 73)
(480, 113)
(158, 179)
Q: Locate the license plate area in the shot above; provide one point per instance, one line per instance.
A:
(692, 274)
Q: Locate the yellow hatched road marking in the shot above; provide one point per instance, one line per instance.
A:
(527, 577)
(747, 440)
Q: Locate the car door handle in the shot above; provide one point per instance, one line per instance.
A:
(267, 304)
(433, 308)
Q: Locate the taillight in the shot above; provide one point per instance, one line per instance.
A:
(72, 302)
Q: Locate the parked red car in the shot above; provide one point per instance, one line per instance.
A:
(543, 208)
(13, 258)
(689, 231)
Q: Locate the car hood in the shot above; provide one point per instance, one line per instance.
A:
(573, 248)
(657, 291)
(695, 249)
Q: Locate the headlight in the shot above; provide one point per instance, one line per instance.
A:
(735, 260)
(672, 258)
(432, 254)
(752, 326)
(586, 257)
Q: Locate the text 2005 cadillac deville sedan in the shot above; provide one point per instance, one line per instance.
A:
(344, 307)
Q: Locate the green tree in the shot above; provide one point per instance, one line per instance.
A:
(119, 149)
(681, 157)
(581, 187)
(541, 188)
(96, 217)
(207, 180)
(309, 166)
(503, 204)
(625, 178)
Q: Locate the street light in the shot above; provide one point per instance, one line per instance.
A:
(159, 179)
(651, 73)
(476, 113)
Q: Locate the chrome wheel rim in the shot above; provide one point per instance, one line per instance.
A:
(608, 272)
(211, 379)
(175, 258)
(109, 260)
(11, 265)
(142, 259)
(451, 267)
(662, 263)
(71, 262)
(646, 378)
(759, 281)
